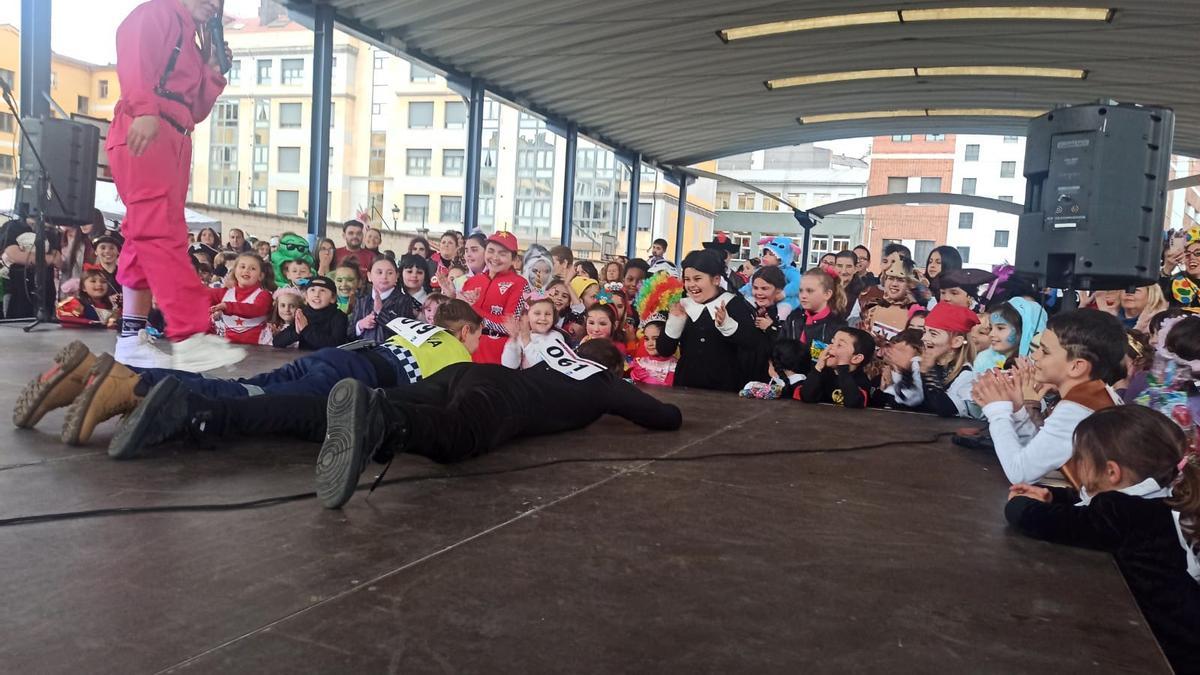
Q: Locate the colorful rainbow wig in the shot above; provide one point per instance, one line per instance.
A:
(658, 293)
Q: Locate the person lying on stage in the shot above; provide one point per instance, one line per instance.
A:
(97, 388)
(463, 411)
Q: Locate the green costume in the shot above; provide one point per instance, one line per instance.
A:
(291, 247)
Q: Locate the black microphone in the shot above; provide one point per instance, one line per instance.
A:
(216, 38)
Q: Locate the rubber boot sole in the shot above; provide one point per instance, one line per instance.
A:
(153, 421)
(30, 408)
(340, 461)
(73, 426)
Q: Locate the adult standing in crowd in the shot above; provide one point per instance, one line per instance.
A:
(864, 266)
(352, 234)
(237, 242)
(1182, 287)
(209, 237)
(169, 83)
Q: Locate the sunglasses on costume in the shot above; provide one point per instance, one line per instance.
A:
(294, 247)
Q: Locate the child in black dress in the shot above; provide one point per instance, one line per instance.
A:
(719, 345)
(1140, 501)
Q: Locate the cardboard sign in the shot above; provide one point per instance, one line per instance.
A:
(566, 362)
(416, 332)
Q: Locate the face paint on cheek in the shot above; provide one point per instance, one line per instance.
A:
(998, 320)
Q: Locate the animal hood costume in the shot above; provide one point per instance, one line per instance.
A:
(786, 250)
(291, 247)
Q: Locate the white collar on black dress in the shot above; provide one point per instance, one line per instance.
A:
(695, 309)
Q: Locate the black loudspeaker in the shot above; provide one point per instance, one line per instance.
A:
(69, 150)
(1095, 195)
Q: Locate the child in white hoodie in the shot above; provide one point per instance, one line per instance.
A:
(531, 335)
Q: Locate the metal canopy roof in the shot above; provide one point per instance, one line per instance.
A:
(654, 77)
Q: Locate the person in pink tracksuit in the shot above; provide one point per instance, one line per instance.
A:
(169, 83)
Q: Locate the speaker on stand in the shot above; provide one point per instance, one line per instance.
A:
(56, 185)
(1095, 196)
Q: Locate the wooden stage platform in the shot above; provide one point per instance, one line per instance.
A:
(888, 560)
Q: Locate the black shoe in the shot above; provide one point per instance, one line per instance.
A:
(162, 414)
(354, 431)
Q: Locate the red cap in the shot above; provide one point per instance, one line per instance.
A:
(951, 318)
(505, 239)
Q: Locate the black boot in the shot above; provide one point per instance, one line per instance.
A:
(356, 429)
(168, 411)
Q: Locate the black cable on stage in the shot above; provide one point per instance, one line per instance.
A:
(302, 496)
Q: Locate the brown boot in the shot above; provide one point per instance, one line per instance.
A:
(107, 393)
(55, 388)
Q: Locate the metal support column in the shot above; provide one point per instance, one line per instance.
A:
(35, 58)
(568, 212)
(322, 93)
(681, 217)
(635, 193)
(474, 151)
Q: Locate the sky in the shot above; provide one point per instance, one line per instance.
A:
(86, 29)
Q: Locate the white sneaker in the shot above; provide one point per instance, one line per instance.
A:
(205, 352)
(139, 351)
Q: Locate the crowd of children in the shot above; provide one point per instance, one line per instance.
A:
(942, 339)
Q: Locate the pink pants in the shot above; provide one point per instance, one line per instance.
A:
(154, 189)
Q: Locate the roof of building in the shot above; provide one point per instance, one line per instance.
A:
(656, 77)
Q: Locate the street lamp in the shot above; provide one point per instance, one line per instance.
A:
(395, 217)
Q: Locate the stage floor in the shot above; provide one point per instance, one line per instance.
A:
(888, 560)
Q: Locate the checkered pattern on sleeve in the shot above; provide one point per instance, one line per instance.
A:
(408, 369)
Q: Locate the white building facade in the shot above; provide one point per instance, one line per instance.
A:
(987, 166)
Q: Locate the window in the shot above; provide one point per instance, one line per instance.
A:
(722, 200)
(292, 70)
(1001, 239)
(262, 155)
(264, 71)
(965, 253)
(6, 165)
(234, 76)
(966, 220)
(287, 202)
(103, 89)
(452, 162)
(290, 115)
(897, 185)
(1008, 169)
(262, 113)
(377, 164)
(258, 198)
(332, 114)
(931, 184)
(1011, 139)
(81, 104)
(902, 138)
(451, 210)
(379, 61)
(456, 114)
(935, 137)
(416, 208)
(8, 76)
(420, 115)
(420, 74)
(772, 204)
(418, 161)
(491, 109)
(972, 153)
(1005, 198)
(376, 108)
(289, 160)
(745, 201)
(968, 186)
(922, 248)
(6, 122)
(222, 196)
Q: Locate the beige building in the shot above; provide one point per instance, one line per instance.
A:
(397, 147)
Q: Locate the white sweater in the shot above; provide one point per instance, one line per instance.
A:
(518, 357)
(1025, 452)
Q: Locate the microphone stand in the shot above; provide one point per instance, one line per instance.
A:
(43, 188)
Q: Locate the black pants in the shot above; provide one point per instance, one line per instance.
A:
(463, 411)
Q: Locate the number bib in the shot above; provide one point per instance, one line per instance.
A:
(415, 332)
(566, 362)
